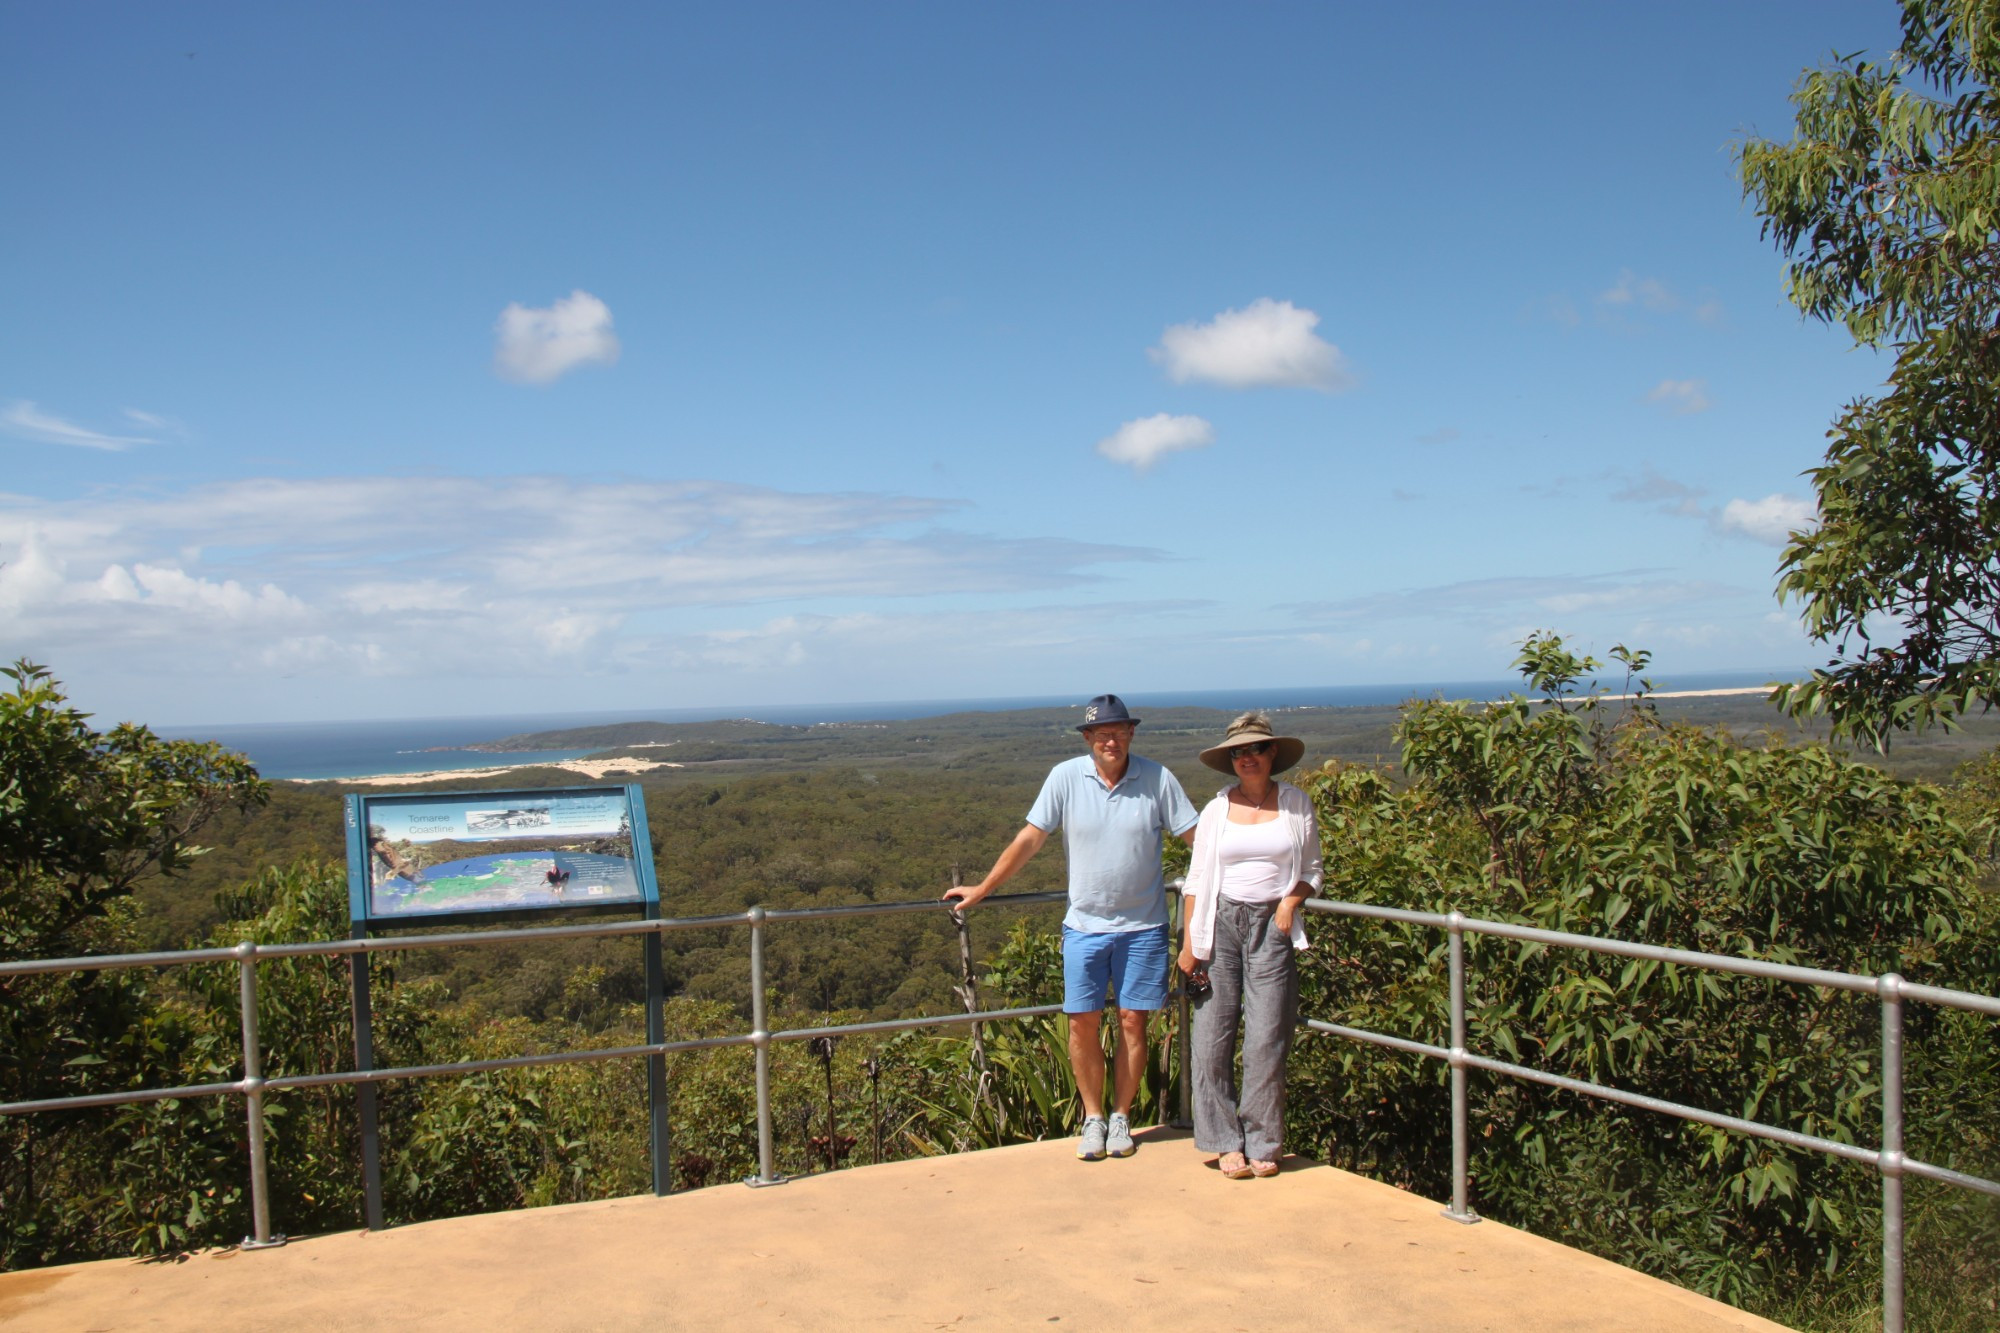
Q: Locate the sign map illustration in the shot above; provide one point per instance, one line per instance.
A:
(479, 853)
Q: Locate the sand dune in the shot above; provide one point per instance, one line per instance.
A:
(590, 768)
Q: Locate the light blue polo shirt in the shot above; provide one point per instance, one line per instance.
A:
(1111, 838)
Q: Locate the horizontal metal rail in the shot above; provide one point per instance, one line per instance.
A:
(395, 943)
(1713, 962)
(482, 938)
(1403, 1044)
(1735, 1124)
(1891, 990)
(84, 1102)
(615, 1052)
(253, 1087)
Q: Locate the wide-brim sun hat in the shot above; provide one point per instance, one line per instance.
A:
(1248, 730)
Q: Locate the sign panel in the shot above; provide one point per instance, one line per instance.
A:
(425, 857)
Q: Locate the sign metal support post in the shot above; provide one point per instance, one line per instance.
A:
(359, 965)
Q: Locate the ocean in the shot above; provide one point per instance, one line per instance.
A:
(320, 750)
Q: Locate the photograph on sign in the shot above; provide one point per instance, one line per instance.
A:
(500, 852)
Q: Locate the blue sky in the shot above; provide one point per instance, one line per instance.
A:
(370, 361)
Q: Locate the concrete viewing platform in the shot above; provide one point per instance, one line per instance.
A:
(1001, 1239)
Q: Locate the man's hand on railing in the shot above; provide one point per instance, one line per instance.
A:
(960, 896)
(1026, 843)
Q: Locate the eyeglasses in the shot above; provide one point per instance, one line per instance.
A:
(1249, 751)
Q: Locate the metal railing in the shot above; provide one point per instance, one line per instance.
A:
(1892, 990)
(1889, 1159)
(253, 1087)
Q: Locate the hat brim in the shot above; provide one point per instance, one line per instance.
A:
(1290, 749)
(1107, 722)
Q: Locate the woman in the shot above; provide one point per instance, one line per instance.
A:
(1256, 858)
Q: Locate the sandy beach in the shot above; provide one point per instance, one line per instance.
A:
(590, 768)
(1741, 689)
(1694, 694)
(1661, 694)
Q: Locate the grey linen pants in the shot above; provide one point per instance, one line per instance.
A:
(1252, 976)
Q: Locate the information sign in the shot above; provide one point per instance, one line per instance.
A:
(426, 857)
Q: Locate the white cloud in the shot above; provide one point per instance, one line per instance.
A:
(390, 598)
(26, 421)
(1633, 290)
(1664, 493)
(1629, 303)
(574, 634)
(1770, 520)
(166, 586)
(1511, 601)
(1680, 397)
(322, 654)
(1266, 344)
(953, 642)
(1557, 309)
(36, 587)
(118, 585)
(535, 345)
(1664, 634)
(30, 573)
(521, 576)
(1145, 441)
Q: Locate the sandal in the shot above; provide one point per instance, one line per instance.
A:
(1262, 1170)
(1233, 1167)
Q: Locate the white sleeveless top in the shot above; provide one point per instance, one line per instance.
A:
(1255, 858)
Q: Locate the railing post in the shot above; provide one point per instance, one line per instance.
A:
(968, 994)
(656, 1064)
(253, 1099)
(1890, 987)
(760, 1037)
(1460, 1210)
(1184, 1109)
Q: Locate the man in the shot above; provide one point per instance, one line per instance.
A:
(1112, 807)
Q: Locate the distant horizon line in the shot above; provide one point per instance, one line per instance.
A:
(1164, 698)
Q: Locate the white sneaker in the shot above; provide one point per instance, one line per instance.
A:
(1118, 1141)
(1091, 1147)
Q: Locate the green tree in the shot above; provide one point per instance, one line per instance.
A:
(84, 816)
(1575, 814)
(1887, 203)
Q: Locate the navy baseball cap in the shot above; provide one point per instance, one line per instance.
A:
(1105, 709)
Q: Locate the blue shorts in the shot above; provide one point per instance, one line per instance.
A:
(1132, 963)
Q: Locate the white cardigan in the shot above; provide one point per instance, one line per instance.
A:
(1204, 881)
